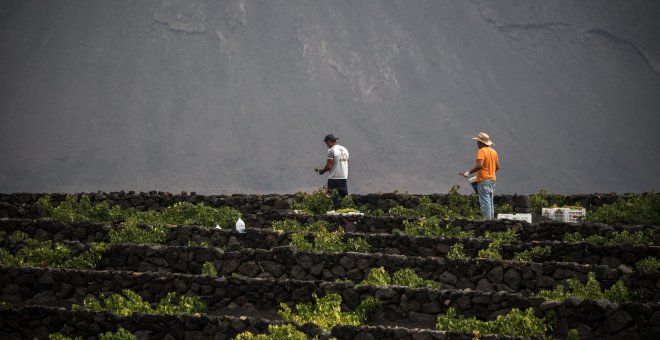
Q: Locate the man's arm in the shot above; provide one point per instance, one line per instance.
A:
(328, 166)
(477, 166)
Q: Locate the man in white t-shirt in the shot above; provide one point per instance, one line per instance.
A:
(337, 164)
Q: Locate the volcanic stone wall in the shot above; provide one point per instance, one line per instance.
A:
(28, 286)
(24, 205)
(283, 263)
(228, 240)
(258, 271)
(39, 321)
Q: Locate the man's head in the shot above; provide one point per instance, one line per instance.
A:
(330, 140)
(483, 139)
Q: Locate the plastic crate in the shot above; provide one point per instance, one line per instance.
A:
(517, 217)
(570, 215)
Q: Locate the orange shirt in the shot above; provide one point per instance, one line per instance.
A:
(489, 156)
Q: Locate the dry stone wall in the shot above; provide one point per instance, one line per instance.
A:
(256, 207)
(39, 321)
(29, 286)
(282, 263)
(258, 271)
(229, 240)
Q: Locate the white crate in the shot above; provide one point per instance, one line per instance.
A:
(571, 215)
(517, 217)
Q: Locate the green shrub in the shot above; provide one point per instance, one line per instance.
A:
(591, 290)
(505, 209)
(403, 277)
(208, 269)
(327, 242)
(638, 238)
(317, 203)
(573, 334)
(369, 212)
(575, 237)
(316, 226)
(276, 332)
(426, 208)
(32, 253)
(459, 206)
(326, 312)
(60, 336)
(431, 227)
(120, 334)
(184, 305)
(501, 237)
(407, 277)
(299, 242)
(88, 259)
(542, 199)
(376, 277)
(346, 211)
(492, 252)
(539, 201)
(186, 213)
(645, 237)
(18, 236)
(347, 203)
(649, 265)
(290, 225)
(358, 244)
(638, 209)
(497, 239)
(536, 253)
(287, 225)
(192, 243)
(7, 259)
(128, 302)
(515, 323)
(81, 209)
(130, 233)
(456, 252)
(400, 210)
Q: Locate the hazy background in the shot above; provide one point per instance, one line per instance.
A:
(235, 96)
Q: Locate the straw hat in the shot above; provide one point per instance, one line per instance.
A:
(484, 138)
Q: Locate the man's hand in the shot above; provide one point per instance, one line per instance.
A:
(465, 174)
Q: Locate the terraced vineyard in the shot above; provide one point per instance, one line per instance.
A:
(156, 265)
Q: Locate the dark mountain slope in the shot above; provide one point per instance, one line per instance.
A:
(235, 96)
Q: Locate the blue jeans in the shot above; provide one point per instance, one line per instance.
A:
(486, 192)
(475, 186)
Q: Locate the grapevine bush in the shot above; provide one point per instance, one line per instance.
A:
(326, 312)
(515, 323)
(129, 302)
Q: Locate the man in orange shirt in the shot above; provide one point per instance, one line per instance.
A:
(486, 164)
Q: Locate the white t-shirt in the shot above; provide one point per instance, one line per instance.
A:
(339, 156)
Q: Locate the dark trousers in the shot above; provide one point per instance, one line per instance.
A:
(341, 185)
